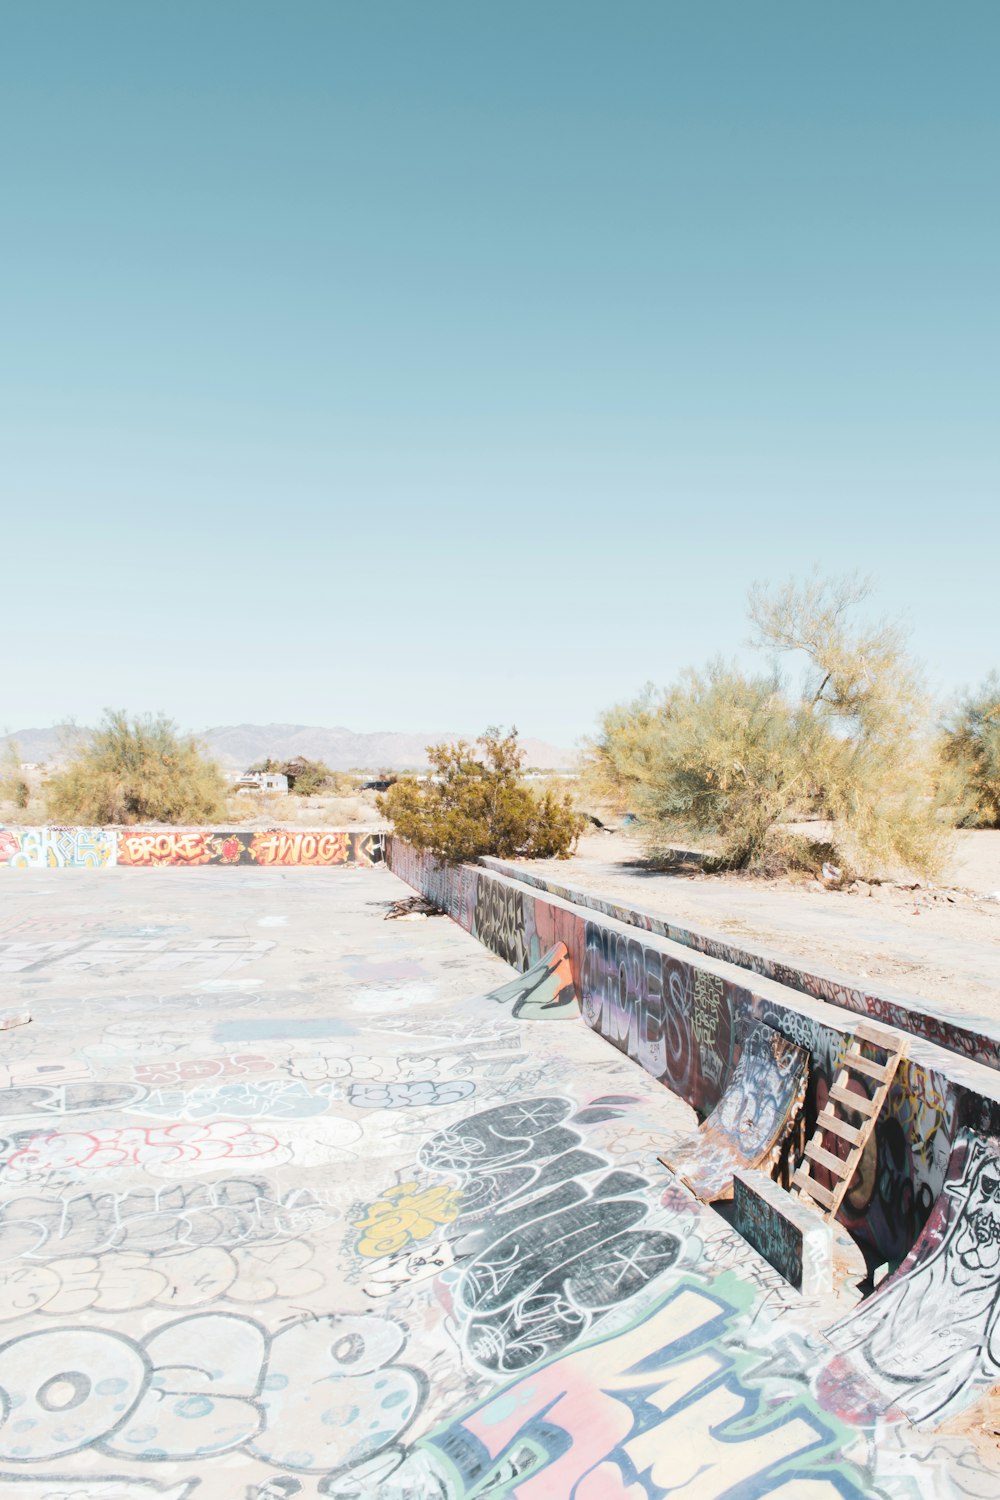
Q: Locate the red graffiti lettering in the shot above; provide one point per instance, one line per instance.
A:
(282, 848)
(166, 848)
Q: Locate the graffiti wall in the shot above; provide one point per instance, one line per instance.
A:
(682, 1018)
(56, 848)
(973, 1037)
(929, 1338)
(53, 848)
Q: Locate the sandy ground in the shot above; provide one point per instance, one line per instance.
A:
(247, 810)
(941, 943)
(975, 860)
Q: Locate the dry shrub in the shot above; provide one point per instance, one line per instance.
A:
(15, 787)
(474, 806)
(135, 771)
(723, 757)
(788, 853)
(969, 748)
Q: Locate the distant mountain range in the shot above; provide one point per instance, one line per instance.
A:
(239, 745)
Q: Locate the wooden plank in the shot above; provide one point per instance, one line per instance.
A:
(839, 1127)
(855, 1063)
(839, 1166)
(803, 1181)
(889, 1041)
(858, 1102)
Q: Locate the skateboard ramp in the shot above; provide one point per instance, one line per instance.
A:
(751, 1120)
(927, 1343)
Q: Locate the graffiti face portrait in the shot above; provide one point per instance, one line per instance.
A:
(977, 1241)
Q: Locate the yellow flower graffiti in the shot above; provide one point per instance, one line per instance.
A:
(404, 1214)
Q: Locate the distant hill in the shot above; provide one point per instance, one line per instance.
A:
(239, 745)
(42, 746)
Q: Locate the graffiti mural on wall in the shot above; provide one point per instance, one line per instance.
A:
(143, 847)
(928, 1342)
(50, 848)
(679, 1023)
(544, 992)
(651, 1004)
(276, 847)
(499, 922)
(977, 1038)
(57, 848)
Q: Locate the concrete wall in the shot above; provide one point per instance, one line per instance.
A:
(974, 1037)
(680, 1015)
(57, 848)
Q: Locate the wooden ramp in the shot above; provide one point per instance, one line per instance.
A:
(831, 1125)
(751, 1121)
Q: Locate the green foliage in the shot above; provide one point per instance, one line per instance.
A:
(135, 770)
(480, 805)
(711, 760)
(970, 755)
(724, 757)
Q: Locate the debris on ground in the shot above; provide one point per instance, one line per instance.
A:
(412, 909)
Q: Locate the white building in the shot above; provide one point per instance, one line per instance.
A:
(263, 781)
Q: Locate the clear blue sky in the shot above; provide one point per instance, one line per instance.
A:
(419, 366)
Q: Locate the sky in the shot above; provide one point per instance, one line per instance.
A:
(421, 367)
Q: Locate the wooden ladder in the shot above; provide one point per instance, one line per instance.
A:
(830, 1121)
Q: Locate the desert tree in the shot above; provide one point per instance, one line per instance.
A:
(725, 757)
(710, 760)
(862, 716)
(138, 769)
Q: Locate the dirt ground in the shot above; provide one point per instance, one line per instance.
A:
(248, 810)
(939, 942)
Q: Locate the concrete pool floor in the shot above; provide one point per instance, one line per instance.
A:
(289, 1207)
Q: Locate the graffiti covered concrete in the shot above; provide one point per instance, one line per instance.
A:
(669, 1405)
(57, 848)
(927, 1343)
(544, 992)
(429, 1254)
(325, 848)
(93, 848)
(974, 1038)
(788, 1233)
(680, 1017)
